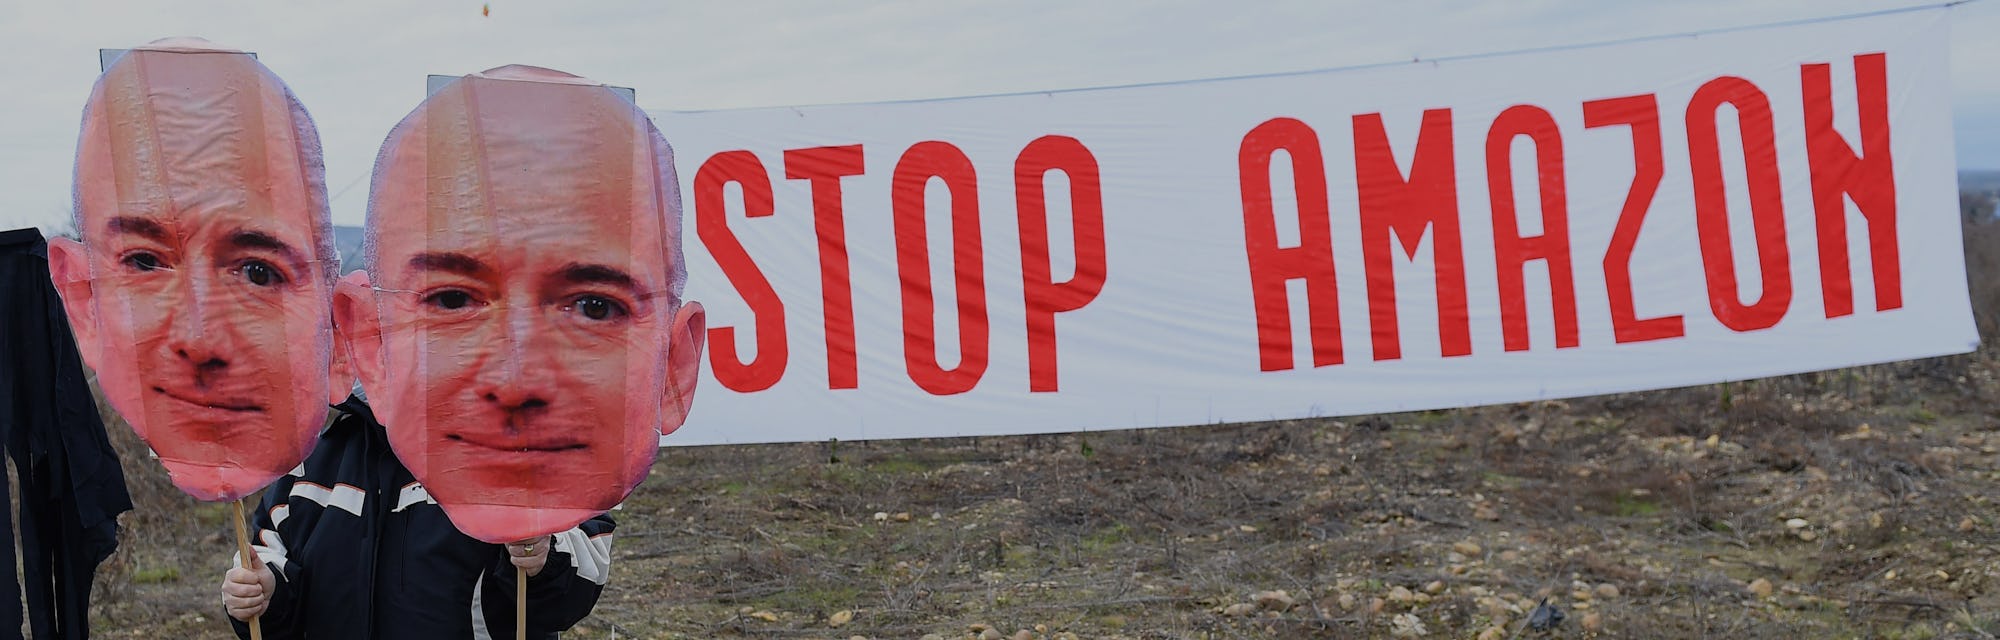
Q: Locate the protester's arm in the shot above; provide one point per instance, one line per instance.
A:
(565, 590)
(273, 541)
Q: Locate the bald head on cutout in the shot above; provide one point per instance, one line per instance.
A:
(520, 331)
(200, 292)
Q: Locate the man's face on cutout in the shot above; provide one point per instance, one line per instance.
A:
(198, 293)
(522, 287)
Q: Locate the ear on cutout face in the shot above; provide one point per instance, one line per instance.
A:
(684, 364)
(69, 267)
(357, 328)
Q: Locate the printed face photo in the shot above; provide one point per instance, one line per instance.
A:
(520, 336)
(200, 292)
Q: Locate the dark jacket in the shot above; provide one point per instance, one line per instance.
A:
(71, 486)
(361, 551)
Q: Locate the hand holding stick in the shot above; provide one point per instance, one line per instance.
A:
(253, 565)
(528, 556)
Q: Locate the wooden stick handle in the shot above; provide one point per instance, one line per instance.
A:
(520, 603)
(250, 562)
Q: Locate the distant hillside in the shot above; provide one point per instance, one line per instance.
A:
(1979, 180)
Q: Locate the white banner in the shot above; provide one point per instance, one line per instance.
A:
(1577, 221)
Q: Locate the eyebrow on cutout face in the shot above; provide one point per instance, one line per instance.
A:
(450, 262)
(137, 226)
(578, 273)
(261, 240)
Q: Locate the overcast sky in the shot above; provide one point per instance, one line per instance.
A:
(360, 65)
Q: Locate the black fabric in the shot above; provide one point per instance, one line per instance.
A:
(71, 486)
(361, 552)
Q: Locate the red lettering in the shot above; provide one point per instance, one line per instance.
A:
(1511, 250)
(823, 167)
(1272, 266)
(1711, 206)
(1869, 179)
(1043, 295)
(767, 311)
(1406, 207)
(1642, 114)
(923, 161)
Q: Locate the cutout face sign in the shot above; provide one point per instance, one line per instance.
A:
(520, 331)
(201, 289)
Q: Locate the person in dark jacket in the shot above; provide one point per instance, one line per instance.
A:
(353, 547)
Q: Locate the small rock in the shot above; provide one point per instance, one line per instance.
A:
(1407, 625)
(1467, 547)
(1607, 590)
(990, 634)
(765, 616)
(1239, 609)
(1592, 622)
(1274, 600)
(978, 627)
(1545, 616)
(1024, 634)
(1346, 601)
(903, 516)
(1760, 588)
(1401, 595)
(881, 516)
(1375, 606)
(839, 618)
(1796, 523)
(1510, 555)
(1486, 513)
(1968, 525)
(1435, 587)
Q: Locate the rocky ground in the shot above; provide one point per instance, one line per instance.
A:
(1848, 504)
(1855, 503)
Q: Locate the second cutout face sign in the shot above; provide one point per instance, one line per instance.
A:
(520, 330)
(199, 290)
